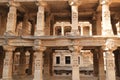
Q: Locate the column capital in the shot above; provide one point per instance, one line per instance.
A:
(41, 3)
(109, 45)
(8, 48)
(75, 48)
(74, 2)
(13, 4)
(106, 2)
(39, 48)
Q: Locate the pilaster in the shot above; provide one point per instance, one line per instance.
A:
(8, 62)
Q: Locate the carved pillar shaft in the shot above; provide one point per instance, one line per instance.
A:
(11, 20)
(94, 27)
(75, 64)
(110, 66)
(98, 24)
(22, 65)
(48, 24)
(74, 9)
(101, 65)
(38, 72)
(62, 31)
(40, 21)
(109, 47)
(106, 20)
(95, 63)
(7, 67)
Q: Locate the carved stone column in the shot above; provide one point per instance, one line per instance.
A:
(75, 65)
(38, 73)
(26, 28)
(74, 18)
(62, 29)
(11, 20)
(101, 65)
(40, 20)
(95, 62)
(106, 20)
(8, 62)
(110, 62)
(98, 23)
(22, 65)
(113, 22)
(47, 24)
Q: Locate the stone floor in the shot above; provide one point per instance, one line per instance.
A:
(57, 78)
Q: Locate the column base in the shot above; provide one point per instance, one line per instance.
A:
(6, 79)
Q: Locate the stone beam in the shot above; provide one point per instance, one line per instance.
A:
(58, 41)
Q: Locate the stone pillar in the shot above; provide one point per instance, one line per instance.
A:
(22, 65)
(62, 29)
(110, 62)
(101, 65)
(74, 18)
(95, 62)
(98, 23)
(75, 65)
(8, 61)
(38, 73)
(1, 61)
(48, 24)
(26, 28)
(117, 61)
(93, 22)
(40, 20)
(31, 63)
(47, 61)
(106, 20)
(81, 30)
(11, 20)
(113, 22)
(74, 30)
(16, 63)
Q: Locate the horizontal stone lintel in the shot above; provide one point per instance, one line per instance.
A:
(58, 40)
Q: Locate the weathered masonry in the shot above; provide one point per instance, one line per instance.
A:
(32, 30)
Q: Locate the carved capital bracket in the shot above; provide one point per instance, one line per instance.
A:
(9, 48)
(75, 47)
(106, 2)
(38, 46)
(74, 2)
(41, 3)
(109, 45)
(13, 4)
